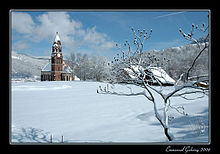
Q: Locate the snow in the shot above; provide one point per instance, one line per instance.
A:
(57, 38)
(26, 66)
(74, 110)
(130, 73)
(158, 73)
(66, 68)
(47, 67)
(161, 75)
(55, 45)
(76, 78)
(135, 70)
(15, 57)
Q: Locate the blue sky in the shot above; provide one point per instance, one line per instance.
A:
(97, 32)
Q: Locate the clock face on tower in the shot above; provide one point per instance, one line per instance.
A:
(58, 55)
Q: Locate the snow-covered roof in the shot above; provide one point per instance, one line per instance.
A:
(57, 38)
(161, 75)
(47, 68)
(157, 72)
(66, 68)
(132, 71)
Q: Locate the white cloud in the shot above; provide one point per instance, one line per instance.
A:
(22, 22)
(107, 45)
(20, 45)
(98, 41)
(71, 32)
(53, 22)
(94, 37)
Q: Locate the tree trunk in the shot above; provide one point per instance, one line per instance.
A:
(167, 134)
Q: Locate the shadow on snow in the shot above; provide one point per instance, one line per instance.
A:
(189, 127)
(29, 134)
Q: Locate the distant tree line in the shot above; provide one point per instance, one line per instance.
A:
(96, 68)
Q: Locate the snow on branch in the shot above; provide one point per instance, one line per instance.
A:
(111, 91)
(190, 37)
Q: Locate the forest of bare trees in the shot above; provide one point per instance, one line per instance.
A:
(96, 68)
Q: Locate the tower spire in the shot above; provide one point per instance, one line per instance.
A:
(57, 38)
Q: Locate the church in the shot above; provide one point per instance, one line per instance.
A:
(56, 69)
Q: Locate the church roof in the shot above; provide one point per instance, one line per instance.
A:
(47, 68)
(66, 68)
(57, 38)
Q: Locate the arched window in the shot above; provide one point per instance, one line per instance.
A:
(53, 60)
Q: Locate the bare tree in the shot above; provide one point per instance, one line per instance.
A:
(189, 36)
(71, 60)
(99, 68)
(142, 74)
(94, 68)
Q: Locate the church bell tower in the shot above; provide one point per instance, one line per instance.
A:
(56, 59)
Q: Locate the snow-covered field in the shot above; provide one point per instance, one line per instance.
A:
(41, 110)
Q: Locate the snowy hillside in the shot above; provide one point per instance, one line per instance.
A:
(181, 58)
(26, 66)
(44, 110)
